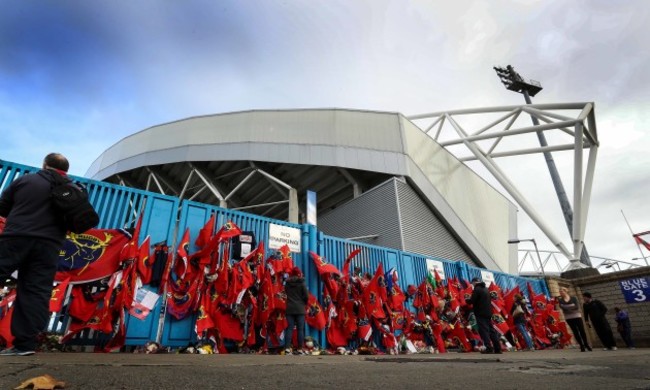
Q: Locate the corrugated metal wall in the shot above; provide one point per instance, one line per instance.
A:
(372, 213)
(422, 231)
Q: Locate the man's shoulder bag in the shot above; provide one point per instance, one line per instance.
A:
(70, 199)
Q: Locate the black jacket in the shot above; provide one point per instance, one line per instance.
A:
(481, 301)
(297, 295)
(27, 206)
(594, 310)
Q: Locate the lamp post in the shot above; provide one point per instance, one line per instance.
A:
(518, 240)
(514, 82)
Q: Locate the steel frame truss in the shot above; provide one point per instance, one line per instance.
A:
(556, 118)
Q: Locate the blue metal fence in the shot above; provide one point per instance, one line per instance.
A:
(163, 220)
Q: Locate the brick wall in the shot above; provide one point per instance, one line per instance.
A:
(606, 288)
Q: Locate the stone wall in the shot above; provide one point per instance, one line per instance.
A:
(607, 289)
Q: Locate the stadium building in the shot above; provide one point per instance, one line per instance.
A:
(378, 178)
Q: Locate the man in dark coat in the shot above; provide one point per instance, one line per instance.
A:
(595, 311)
(482, 306)
(30, 243)
(297, 297)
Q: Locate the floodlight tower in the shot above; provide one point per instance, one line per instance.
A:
(514, 82)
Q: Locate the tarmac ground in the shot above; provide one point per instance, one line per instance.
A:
(547, 369)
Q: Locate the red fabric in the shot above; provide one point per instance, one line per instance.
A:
(335, 334)
(499, 323)
(206, 232)
(497, 298)
(145, 262)
(92, 255)
(204, 319)
(81, 308)
(58, 295)
(314, 315)
(228, 325)
(346, 265)
(265, 302)
(6, 312)
(119, 338)
(375, 294)
(457, 333)
(130, 250)
(242, 278)
(322, 266)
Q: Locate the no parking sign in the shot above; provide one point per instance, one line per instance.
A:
(636, 290)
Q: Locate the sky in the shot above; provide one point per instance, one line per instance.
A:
(78, 76)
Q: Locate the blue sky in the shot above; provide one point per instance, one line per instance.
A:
(78, 76)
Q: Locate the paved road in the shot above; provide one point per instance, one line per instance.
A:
(554, 369)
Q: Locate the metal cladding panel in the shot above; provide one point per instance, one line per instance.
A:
(357, 130)
(423, 232)
(372, 213)
(484, 212)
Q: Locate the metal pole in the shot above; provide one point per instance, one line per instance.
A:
(538, 257)
(557, 183)
(637, 243)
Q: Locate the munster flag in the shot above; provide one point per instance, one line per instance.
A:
(375, 294)
(92, 255)
(322, 266)
(346, 265)
(205, 234)
(145, 262)
(314, 315)
(58, 296)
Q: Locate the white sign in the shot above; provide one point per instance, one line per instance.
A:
(280, 236)
(488, 278)
(436, 265)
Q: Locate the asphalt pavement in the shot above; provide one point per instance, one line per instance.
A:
(549, 369)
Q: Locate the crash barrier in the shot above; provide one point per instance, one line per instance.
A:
(165, 219)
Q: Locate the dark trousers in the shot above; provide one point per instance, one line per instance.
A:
(488, 334)
(578, 329)
(604, 332)
(36, 262)
(299, 321)
(626, 335)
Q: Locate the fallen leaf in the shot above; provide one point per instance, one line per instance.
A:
(43, 382)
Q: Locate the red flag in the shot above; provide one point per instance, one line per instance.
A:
(204, 320)
(497, 298)
(346, 265)
(92, 255)
(242, 278)
(6, 312)
(130, 250)
(640, 241)
(375, 294)
(322, 266)
(314, 313)
(265, 302)
(145, 262)
(499, 323)
(457, 333)
(206, 232)
(58, 295)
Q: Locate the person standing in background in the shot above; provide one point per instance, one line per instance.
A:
(30, 243)
(624, 326)
(595, 311)
(297, 297)
(571, 309)
(482, 306)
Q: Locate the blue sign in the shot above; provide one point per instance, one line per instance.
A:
(636, 290)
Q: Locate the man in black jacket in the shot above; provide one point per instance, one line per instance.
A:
(30, 243)
(595, 311)
(482, 306)
(297, 297)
